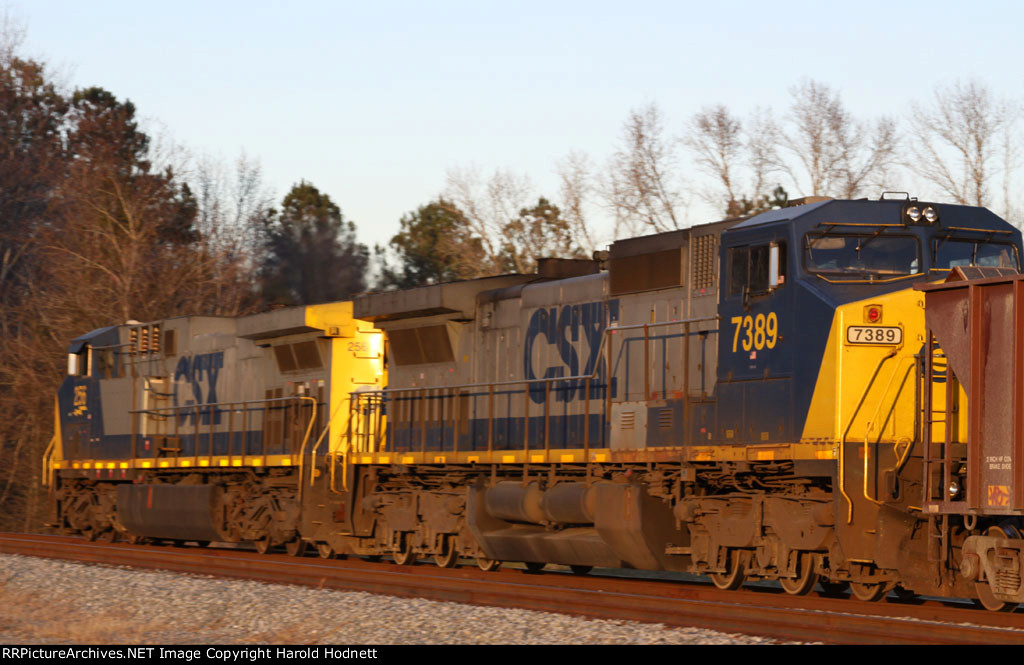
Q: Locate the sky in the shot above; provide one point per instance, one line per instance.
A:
(373, 102)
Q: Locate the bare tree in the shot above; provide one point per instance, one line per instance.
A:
(488, 207)
(740, 158)
(576, 188)
(716, 138)
(958, 140)
(507, 223)
(762, 143)
(642, 183)
(838, 155)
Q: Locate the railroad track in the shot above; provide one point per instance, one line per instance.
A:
(757, 611)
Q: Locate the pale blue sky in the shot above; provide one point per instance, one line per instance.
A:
(373, 102)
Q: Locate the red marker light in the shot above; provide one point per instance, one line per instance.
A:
(874, 314)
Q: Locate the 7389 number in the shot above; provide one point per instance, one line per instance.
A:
(755, 332)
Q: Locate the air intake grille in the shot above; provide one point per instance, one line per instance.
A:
(704, 262)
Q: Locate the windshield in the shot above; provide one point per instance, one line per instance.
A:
(952, 252)
(867, 256)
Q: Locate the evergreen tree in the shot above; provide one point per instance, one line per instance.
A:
(434, 245)
(312, 255)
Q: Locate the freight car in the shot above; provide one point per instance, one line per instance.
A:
(784, 397)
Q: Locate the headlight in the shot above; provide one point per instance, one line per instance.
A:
(931, 214)
(954, 488)
(914, 213)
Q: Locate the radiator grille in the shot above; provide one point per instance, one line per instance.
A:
(704, 262)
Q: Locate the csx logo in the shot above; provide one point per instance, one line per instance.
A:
(575, 331)
(198, 372)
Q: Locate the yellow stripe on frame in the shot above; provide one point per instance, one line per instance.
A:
(508, 459)
(536, 458)
(568, 458)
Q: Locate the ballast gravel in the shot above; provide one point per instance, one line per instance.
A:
(44, 601)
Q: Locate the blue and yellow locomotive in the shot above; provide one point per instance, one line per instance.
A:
(768, 398)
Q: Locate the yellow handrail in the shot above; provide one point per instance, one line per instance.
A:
(842, 441)
(47, 469)
(305, 439)
(874, 418)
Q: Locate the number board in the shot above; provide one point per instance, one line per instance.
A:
(874, 335)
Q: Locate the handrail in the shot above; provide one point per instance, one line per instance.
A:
(47, 470)
(420, 393)
(305, 439)
(842, 441)
(874, 416)
(610, 330)
(204, 405)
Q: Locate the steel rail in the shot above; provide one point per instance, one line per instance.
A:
(748, 611)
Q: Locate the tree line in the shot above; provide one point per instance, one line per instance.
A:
(102, 222)
(961, 145)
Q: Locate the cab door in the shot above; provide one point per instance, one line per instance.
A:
(756, 338)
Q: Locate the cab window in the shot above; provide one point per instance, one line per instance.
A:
(949, 253)
(749, 269)
(856, 257)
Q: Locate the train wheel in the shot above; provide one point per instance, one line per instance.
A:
(203, 543)
(487, 565)
(580, 570)
(295, 547)
(734, 575)
(263, 545)
(404, 556)
(534, 566)
(450, 556)
(868, 591)
(988, 600)
(325, 551)
(805, 577)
